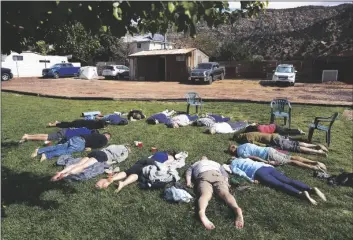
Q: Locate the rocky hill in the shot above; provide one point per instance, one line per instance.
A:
(297, 33)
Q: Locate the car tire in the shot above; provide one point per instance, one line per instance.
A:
(106, 78)
(292, 84)
(56, 75)
(117, 77)
(222, 76)
(5, 77)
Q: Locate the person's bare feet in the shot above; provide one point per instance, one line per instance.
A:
(312, 201)
(323, 147)
(35, 153)
(24, 138)
(322, 166)
(320, 194)
(119, 187)
(206, 222)
(323, 153)
(239, 220)
(43, 158)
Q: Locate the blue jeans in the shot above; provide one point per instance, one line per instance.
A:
(273, 178)
(75, 144)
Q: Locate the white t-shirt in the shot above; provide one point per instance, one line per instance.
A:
(181, 120)
(222, 128)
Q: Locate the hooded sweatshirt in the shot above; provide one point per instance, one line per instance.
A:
(116, 153)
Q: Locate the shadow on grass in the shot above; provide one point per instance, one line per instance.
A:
(269, 83)
(26, 188)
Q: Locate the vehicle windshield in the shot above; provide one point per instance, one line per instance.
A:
(56, 65)
(204, 66)
(285, 69)
(109, 68)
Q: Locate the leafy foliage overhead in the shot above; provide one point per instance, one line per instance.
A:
(26, 22)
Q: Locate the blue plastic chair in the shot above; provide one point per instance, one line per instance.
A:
(279, 109)
(327, 129)
(193, 99)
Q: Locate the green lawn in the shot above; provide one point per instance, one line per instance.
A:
(39, 209)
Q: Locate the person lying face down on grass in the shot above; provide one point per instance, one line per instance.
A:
(90, 124)
(63, 134)
(74, 144)
(272, 128)
(226, 127)
(110, 155)
(132, 174)
(271, 156)
(258, 172)
(113, 119)
(134, 115)
(209, 119)
(181, 120)
(264, 139)
(210, 176)
(162, 117)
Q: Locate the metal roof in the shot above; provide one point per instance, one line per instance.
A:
(162, 52)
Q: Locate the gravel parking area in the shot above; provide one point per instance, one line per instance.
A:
(251, 90)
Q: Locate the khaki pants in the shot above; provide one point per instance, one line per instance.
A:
(208, 180)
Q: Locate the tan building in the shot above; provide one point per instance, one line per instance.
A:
(165, 65)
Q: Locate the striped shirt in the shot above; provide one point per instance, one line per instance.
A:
(208, 122)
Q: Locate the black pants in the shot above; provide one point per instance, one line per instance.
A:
(139, 165)
(90, 124)
(280, 130)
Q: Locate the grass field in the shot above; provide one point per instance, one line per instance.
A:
(38, 209)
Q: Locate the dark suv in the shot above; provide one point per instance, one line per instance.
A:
(6, 74)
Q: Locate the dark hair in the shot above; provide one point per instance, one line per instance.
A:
(251, 128)
(172, 152)
(94, 131)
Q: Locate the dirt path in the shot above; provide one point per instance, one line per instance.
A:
(331, 94)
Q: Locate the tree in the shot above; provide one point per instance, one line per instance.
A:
(28, 22)
(233, 50)
(76, 40)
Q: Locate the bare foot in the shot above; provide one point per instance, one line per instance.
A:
(24, 138)
(312, 201)
(206, 222)
(323, 147)
(43, 158)
(35, 153)
(323, 153)
(120, 186)
(322, 166)
(320, 194)
(55, 177)
(239, 220)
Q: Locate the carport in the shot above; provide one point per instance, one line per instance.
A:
(165, 65)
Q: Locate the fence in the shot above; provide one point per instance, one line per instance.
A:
(308, 70)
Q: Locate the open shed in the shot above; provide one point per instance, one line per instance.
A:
(165, 65)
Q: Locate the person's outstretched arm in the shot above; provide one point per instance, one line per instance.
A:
(241, 173)
(258, 159)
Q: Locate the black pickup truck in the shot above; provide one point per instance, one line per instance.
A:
(207, 72)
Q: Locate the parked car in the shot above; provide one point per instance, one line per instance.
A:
(284, 73)
(6, 74)
(61, 70)
(207, 72)
(115, 72)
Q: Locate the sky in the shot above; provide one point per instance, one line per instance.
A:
(281, 5)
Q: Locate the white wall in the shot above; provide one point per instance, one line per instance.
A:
(200, 57)
(30, 65)
(147, 46)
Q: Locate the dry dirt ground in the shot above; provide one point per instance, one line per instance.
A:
(253, 90)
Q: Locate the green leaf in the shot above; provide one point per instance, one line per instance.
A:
(49, 12)
(187, 13)
(89, 7)
(171, 7)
